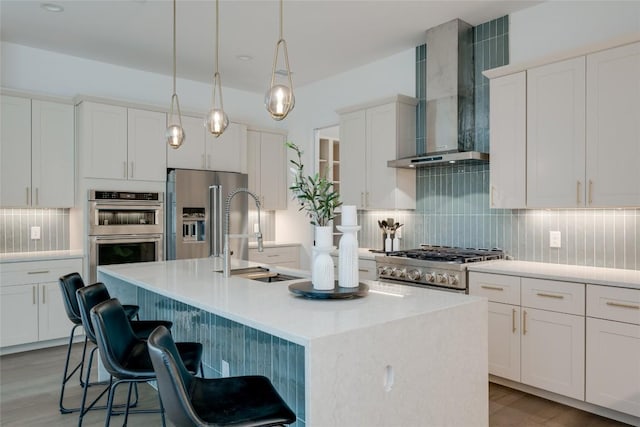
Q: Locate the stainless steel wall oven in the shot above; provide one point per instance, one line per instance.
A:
(124, 227)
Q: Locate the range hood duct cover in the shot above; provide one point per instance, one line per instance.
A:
(450, 109)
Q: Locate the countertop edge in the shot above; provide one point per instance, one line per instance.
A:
(12, 257)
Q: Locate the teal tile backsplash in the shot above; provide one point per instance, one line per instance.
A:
(452, 202)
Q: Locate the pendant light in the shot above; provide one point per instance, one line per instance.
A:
(217, 120)
(175, 132)
(279, 99)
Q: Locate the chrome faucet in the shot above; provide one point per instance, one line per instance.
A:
(227, 257)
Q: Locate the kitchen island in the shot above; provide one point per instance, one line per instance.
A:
(401, 356)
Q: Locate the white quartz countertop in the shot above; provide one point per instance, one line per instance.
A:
(569, 273)
(273, 244)
(271, 308)
(39, 256)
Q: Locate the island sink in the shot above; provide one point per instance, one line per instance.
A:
(262, 274)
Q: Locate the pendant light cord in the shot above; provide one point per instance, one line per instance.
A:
(281, 7)
(217, 35)
(174, 47)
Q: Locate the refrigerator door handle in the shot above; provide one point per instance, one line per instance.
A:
(215, 220)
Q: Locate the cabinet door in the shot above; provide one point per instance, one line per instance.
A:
(253, 162)
(504, 340)
(228, 152)
(273, 178)
(52, 319)
(553, 352)
(103, 141)
(613, 365)
(556, 135)
(381, 136)
(52, 161)
(367, 269)
(15, 152)
(613, 130)
(352, 158)
(508, 120)
(18, 314)
(191, 155)
(147, 152)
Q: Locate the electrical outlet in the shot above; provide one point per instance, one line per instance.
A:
(225, 368)
(35, 233)
(256, 227)
(555, 239)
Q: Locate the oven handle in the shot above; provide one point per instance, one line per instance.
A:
(128, 237)
(125, 206)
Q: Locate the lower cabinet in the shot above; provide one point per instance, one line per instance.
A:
(532, 342)
(31, 307)
(613, 348)
(283, 256)
(366, 268)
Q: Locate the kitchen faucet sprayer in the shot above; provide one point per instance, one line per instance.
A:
(227, 236)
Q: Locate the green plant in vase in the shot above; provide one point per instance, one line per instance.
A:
(315, 193)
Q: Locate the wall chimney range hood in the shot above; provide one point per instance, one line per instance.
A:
(450, 109)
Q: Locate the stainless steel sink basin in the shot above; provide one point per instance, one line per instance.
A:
(262, 274)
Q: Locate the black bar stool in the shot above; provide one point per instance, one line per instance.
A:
(87, 298)
(246, 401)
(69, 284)
(126, 356)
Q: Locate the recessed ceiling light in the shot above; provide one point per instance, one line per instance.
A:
(244, 57)
(51, 7)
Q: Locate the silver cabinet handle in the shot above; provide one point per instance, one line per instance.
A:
(364, 270)
(38, 272)
(619, 304)
(124, 169)
(590, 192)
(578, 193)
(513, 320)
(33, 295)
(524, 322)
(492, 288)
(273, 256)
(541, 294)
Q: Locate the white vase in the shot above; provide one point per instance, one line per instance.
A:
(348, 257)
(322, 274)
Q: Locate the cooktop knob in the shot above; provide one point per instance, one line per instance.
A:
(453, 279)
(414, 274)
(399, 272)
(430, 277)
(442, 278)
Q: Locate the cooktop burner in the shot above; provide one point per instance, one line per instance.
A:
(450, 254)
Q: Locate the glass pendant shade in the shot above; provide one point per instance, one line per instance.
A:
(175, 136)
(216, 121)
(279, 99)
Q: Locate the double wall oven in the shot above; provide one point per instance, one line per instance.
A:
(124, 227)
(434, 267)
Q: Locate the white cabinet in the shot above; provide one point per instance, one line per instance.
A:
(201, 150)
(376, 133)
(31, 307)
(283, 256)
(536, 331)
(508, 122)
(37, 153)
(613, 133)
(366, 268)
(266, 163)
(556, 134)
(122, 143)
(613, 348)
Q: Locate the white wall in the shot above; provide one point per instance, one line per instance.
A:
(557, 26)
(35, 70)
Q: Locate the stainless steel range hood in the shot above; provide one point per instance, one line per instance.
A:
(450, 109)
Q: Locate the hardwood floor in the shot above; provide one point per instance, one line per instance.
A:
(30, 387)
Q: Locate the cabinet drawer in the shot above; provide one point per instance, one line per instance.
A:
(288, 254)
(619, 304)
(20, 273)
(496, 287)
(367, 269)
(563, 297)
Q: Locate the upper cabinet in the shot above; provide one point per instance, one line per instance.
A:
(36, 153)
(581, 133)
(122, 143)
(376, 133)
(508, 119)
(267, 165)
(201, 150)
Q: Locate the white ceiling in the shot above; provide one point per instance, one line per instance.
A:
(324, 37)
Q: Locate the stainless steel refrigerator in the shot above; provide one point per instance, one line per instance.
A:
(195, 213)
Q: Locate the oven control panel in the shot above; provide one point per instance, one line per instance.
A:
(421, 275)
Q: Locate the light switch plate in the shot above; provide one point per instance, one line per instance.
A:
(224, 368)
(555, 239)
(35, 233)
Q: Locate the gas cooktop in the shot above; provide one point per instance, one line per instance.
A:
(450, 254)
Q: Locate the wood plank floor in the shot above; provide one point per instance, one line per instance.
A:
(30, 387)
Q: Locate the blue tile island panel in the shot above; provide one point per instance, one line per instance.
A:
(247, 350)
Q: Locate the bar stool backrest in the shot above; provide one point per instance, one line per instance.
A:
(69, 284)
(87, 298)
